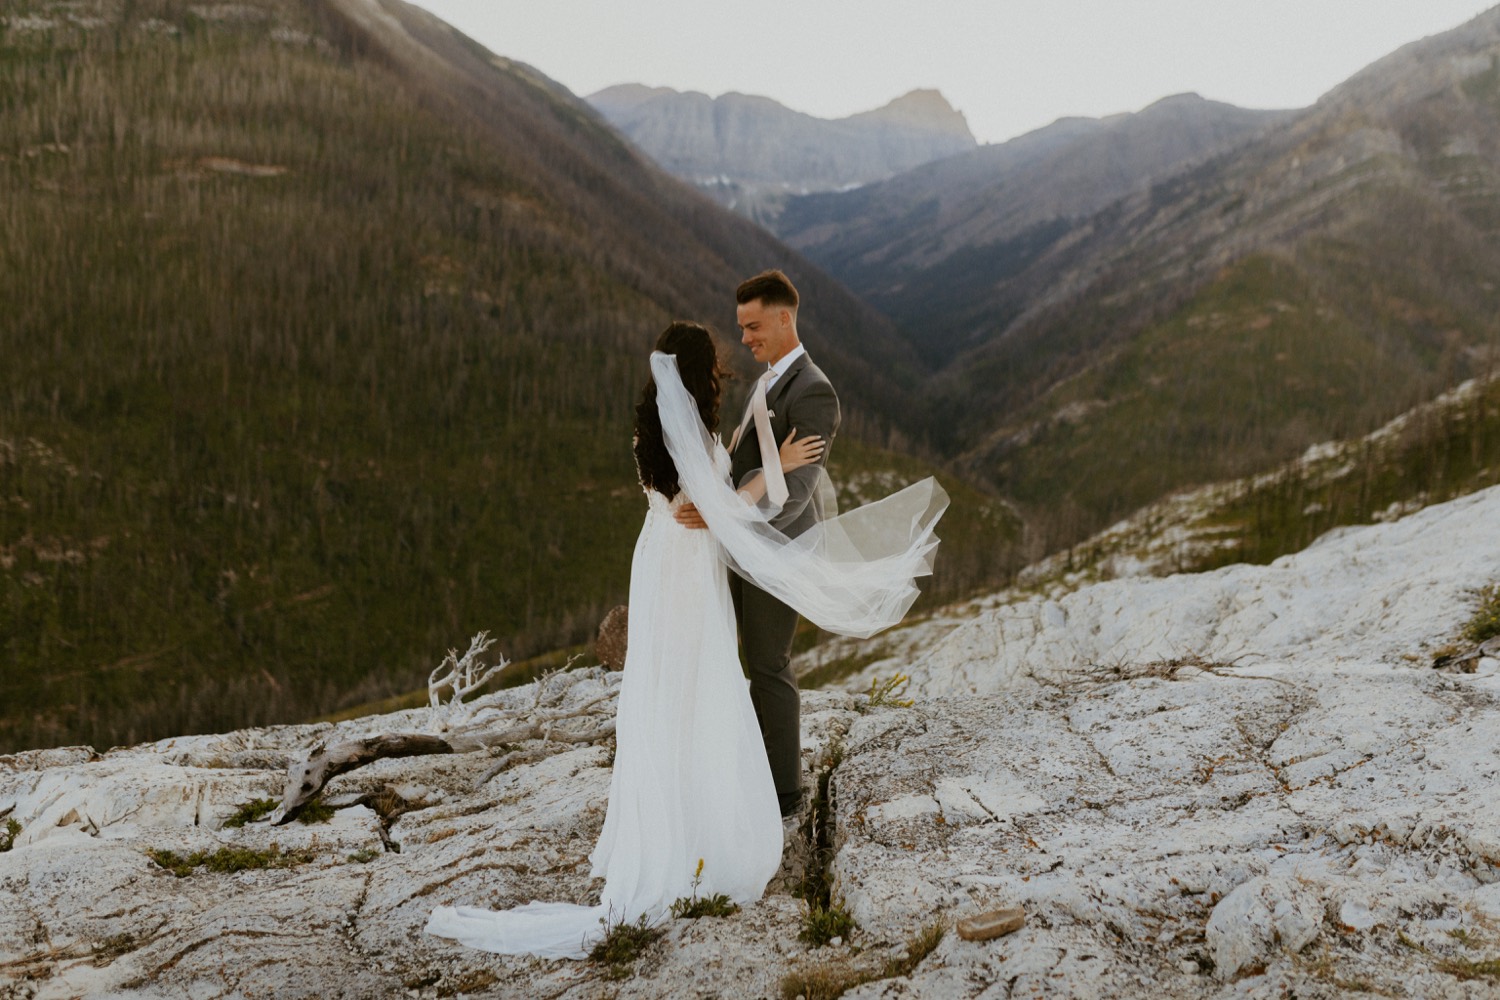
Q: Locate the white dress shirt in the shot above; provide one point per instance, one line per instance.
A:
(779, 368)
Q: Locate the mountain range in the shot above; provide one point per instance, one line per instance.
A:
(942, 248)
(1117, 309)
(751, 153)
(323, 331)
(324, 325)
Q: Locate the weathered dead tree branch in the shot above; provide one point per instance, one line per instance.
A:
(1467, 661)
(305, 779)
(461, 676)
(462, 730)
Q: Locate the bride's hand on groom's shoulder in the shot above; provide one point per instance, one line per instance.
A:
(687, 515)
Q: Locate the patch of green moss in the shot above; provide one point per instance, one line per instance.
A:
(1485, 624)
(315, 811)
(228, 860)
(249, 812)
(9, 835)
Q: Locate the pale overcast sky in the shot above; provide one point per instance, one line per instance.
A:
(1008, 65)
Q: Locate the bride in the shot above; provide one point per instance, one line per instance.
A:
(692, 807)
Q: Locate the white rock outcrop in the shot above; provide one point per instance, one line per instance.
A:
(1247, 783)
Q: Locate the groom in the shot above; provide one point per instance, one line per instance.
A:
(798, 396)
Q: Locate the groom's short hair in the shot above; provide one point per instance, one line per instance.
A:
(772, 288)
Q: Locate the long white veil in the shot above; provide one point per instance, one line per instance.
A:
(853, 574)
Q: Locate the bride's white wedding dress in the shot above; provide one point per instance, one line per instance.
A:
(690, 777)
(691, 780)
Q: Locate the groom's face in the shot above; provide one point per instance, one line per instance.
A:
(768, 331)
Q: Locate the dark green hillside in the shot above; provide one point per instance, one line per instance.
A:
(320, 340)
(1443, 450)
(1273, 355)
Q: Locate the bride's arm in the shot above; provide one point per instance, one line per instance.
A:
(794, 455)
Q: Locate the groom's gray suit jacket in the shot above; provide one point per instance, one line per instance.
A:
(802, 398)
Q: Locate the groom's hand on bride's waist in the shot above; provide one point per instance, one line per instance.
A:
(687, 515)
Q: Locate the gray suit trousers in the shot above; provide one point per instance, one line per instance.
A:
(766, 630)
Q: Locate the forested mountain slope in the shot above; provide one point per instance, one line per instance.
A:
(322, 330)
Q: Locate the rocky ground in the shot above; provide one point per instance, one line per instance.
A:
(1247, 783)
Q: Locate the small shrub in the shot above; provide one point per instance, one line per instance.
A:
(388, 804)
(364, 856)
(315, 812)
(621, 945)
(249, 812)
(823, 924)
(1407, 942)
(835, 753)
(823, 982)
(228, 860)
(692, 907)
(887, 693)
(1463, 968)
(8, 836)
(1463, 936)
(1486, 621)
(717, 905)
(918, 947)
(831, 980)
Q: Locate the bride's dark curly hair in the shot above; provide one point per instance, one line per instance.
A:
(698, 364)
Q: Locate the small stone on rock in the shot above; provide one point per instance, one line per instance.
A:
(1357, 916)
(995, 923)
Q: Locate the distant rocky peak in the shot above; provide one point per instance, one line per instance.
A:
(1189, 99)
(624, 98)
(752, 153)
(924, 109)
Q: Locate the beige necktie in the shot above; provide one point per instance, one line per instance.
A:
(770, 454)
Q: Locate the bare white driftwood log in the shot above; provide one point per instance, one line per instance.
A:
(305, 780)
